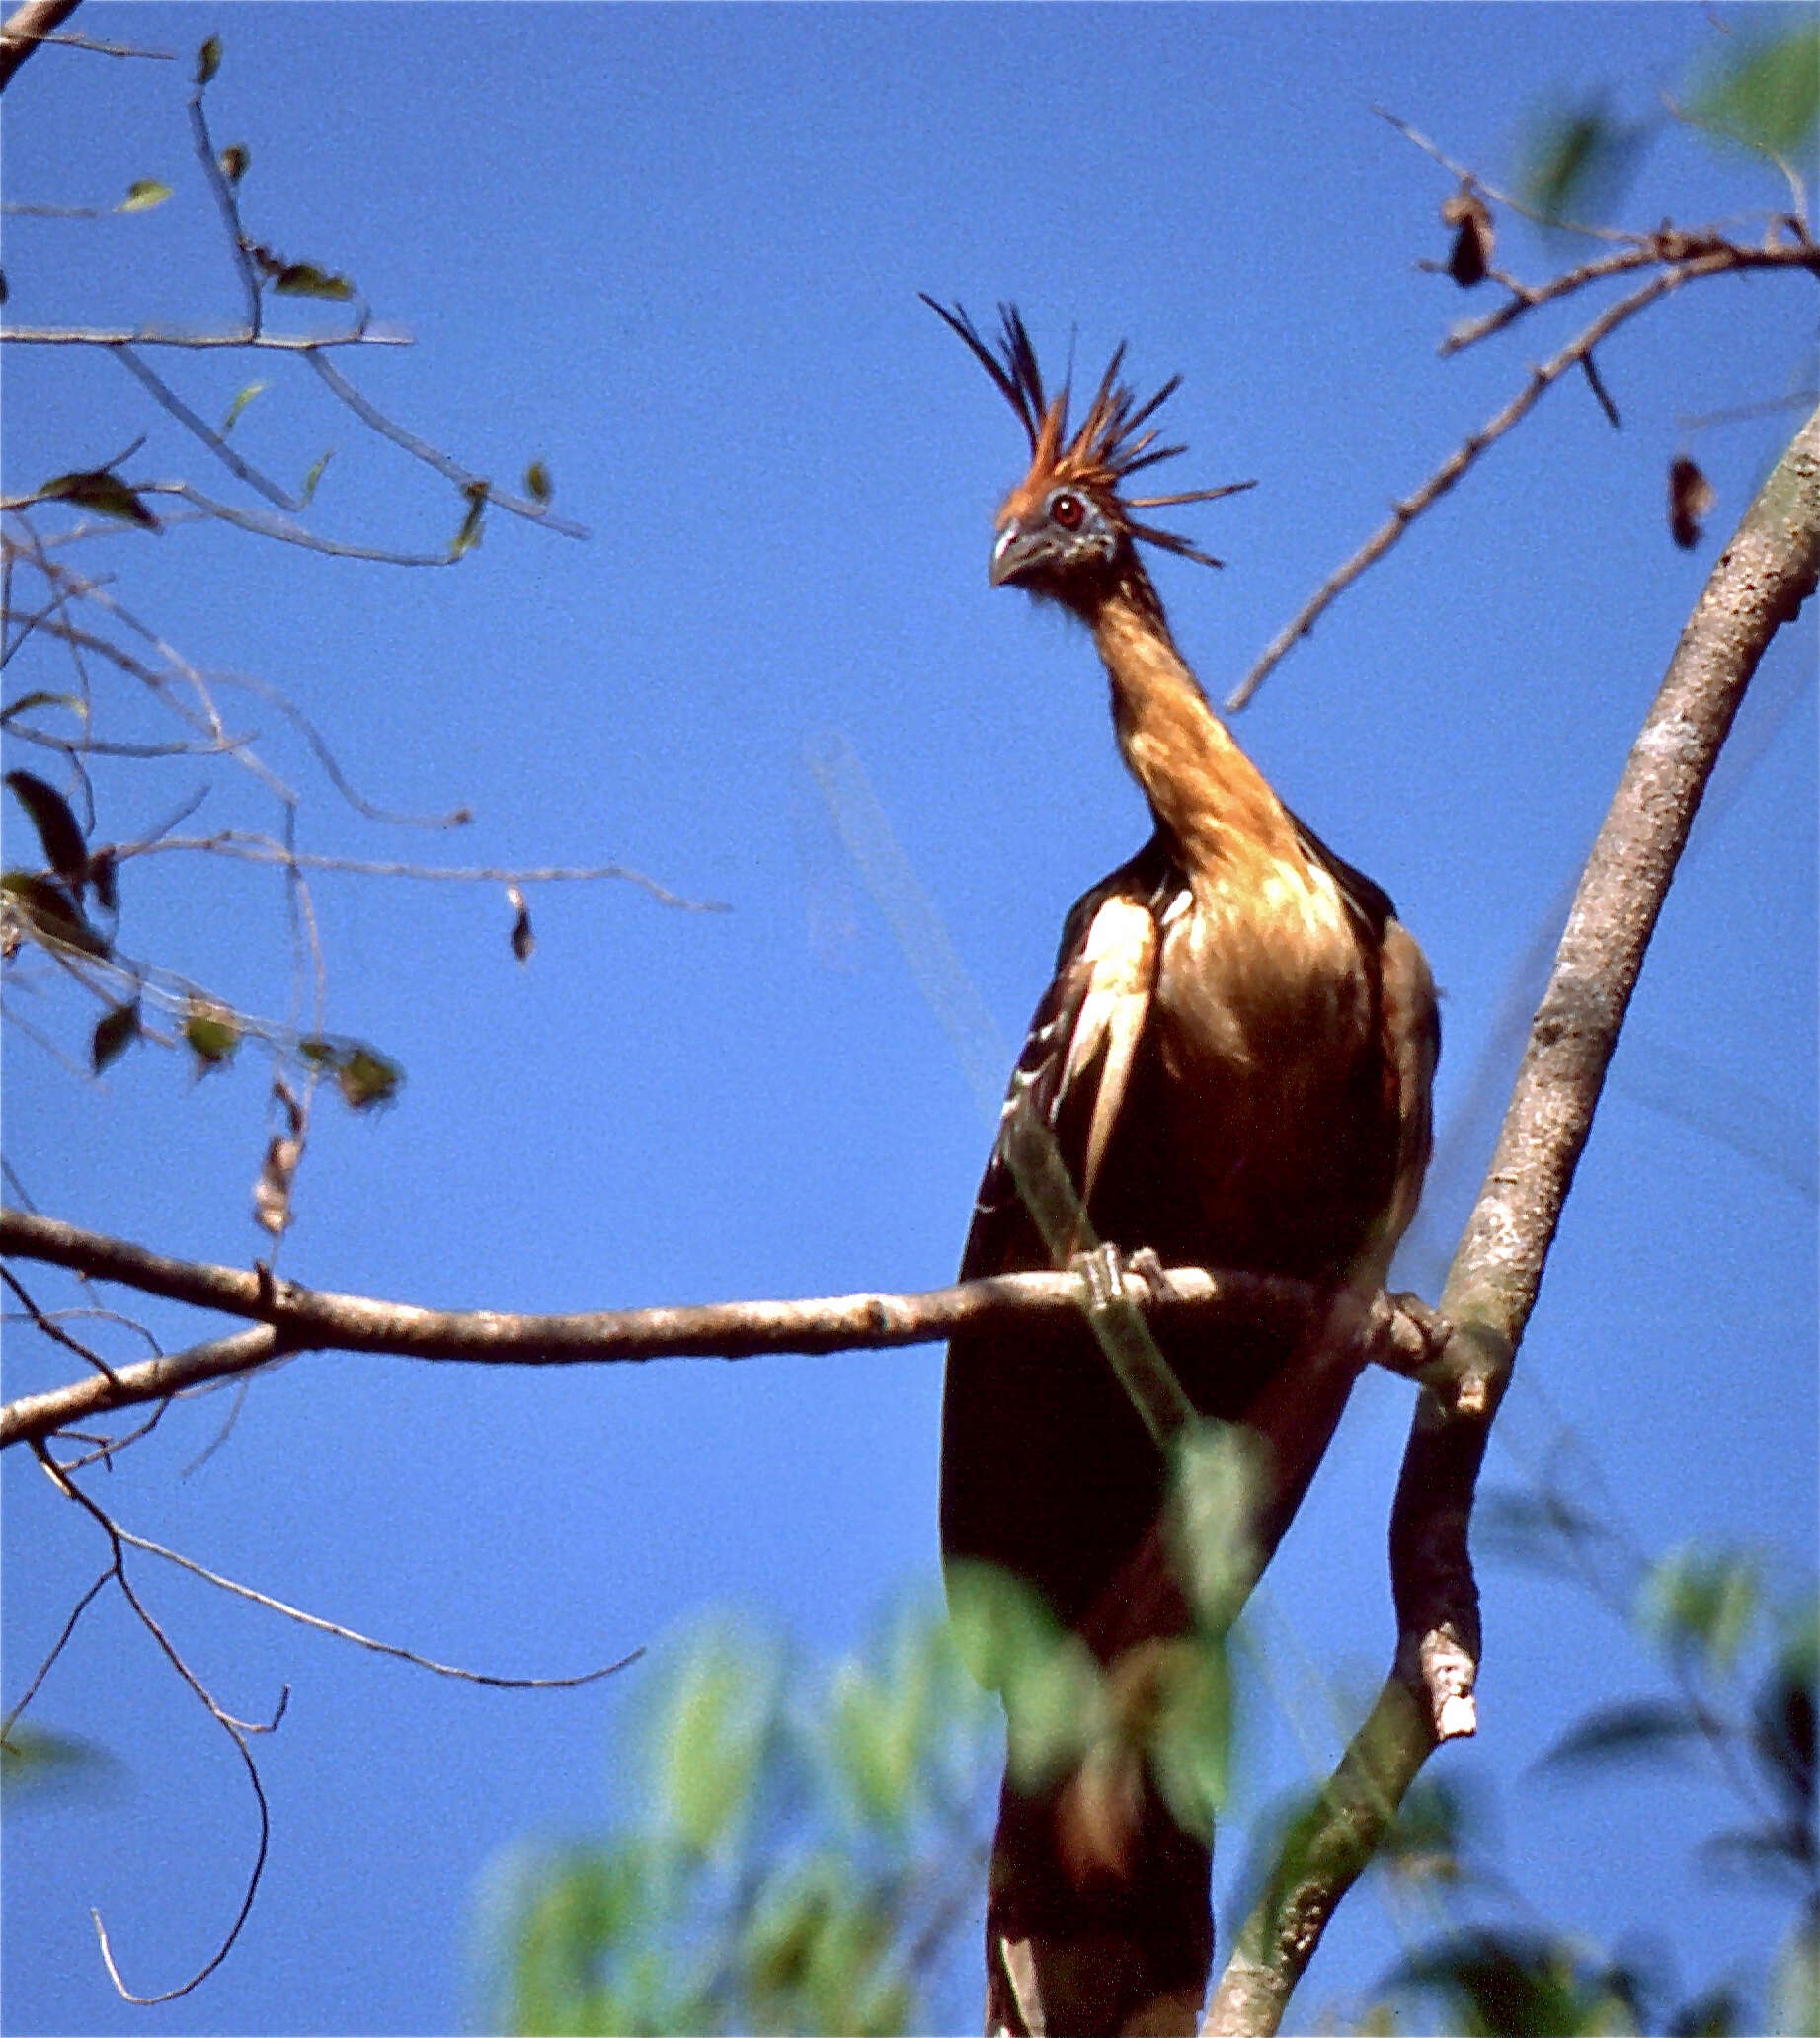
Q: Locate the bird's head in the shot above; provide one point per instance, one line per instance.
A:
(1066, 531)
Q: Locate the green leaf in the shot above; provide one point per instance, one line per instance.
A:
(65, 849)
(717, 1722)
(1577, 160)
(96, 489)
(309, 490)
(209, 60)
(241, 400)
(114, 1032)
(367, 1078)
(234, 160)
(468, 536)
(318, 1052)
(213, 1034)
(1700, 1602)
(1631, 1730)
(34, 1761)
(537, 482)
(1767, 94)
(305, 279)
(50, 915)
(1217, 1475)
(142, 194)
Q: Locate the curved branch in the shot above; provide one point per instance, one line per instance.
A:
(1759, 584)
(291, 1318)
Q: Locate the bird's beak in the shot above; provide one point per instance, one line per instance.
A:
(1015, 552)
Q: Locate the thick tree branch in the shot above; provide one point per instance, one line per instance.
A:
(290, 1319)
(26, 28)
(1759, 584)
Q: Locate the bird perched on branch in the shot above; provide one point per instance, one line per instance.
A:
(1234, 1063)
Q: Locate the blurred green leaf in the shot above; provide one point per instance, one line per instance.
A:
(36, 1763)
(1055, 1692)
(1188, 1740)
(367, 1078)
(1217, 1474)
(1523, 1984)
(1794, 1985)
(212, 1033)
(209, 60)
(1766, 94)
(318, 1052)
(66, 850)
(305, 279)
(1700, 1602)
(537, 482)
(242, 398)
(715, 1727)
(815, 1956)
(96, 489)
(142, 194)
(1637, 1729)
(114, 1032)
(1577, 161)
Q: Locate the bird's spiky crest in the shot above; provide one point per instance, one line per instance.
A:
(1106, 449)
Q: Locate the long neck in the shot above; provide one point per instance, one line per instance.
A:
(1203, 789)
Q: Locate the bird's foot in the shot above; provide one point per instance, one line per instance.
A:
(1104, 1269)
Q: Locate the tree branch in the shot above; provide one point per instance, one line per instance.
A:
(292, 1318)
(1759, 584)
(26, 28)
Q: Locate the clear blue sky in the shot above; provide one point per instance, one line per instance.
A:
(676, 253)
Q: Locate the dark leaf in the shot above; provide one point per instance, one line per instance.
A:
(1626, 1731)
(1718, 2013)
(211, 1032)
(468, 536)
(537, 482)
(28, 702)
(96, 488)
(319, 1053)
(305, 279)
(522, 939)
(104, 876)
(1521, 1984)
(272, 1191)
(367, 1078)
(66, 850)
(234, 160)
(142, 194)
(1689, 497)
(50, 914)
(1470, 259)
(209, 60)
(114, 1032)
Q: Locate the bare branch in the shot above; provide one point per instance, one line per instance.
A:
(160, 336)
(263, 849)
(1456, 463)
(1759, 584)
(243, 470)
(349, 1634)
(292, 1318)
(420, 450)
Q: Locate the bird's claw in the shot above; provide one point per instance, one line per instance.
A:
(1105, 1267)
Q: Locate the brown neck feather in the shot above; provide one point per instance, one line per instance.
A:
(1204, 791)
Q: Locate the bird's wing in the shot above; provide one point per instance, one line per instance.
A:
(1079, 1054)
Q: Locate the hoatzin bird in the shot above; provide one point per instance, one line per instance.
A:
(1235, 1062)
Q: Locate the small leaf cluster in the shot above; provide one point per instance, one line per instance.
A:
(805, 1848)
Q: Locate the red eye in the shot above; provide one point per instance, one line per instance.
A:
(1070, 512)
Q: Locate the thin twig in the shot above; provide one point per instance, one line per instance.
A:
(1457, 462)
(242, 469)
(451, 469)
(159, 336)
(349, 1634)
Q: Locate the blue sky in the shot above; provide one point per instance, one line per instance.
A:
(675, 253)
